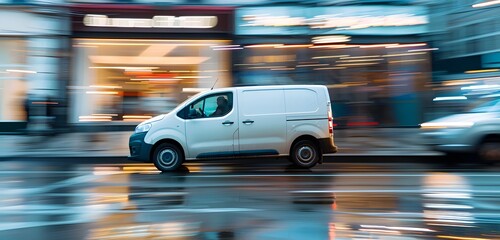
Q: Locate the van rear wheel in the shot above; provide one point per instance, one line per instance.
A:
(305, 154)
(167, 157)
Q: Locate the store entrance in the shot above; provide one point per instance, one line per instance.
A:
(129, 80)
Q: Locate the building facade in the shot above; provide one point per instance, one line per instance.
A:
(33, 50)
(373, 58)
(116, 63)
(467, 64)
(134, 62)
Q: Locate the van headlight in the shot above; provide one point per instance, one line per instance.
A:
(143, 127)
(434, 125)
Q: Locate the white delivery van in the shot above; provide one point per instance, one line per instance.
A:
(294, 121)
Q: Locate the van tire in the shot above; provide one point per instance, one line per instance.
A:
(167, 157)
(305, 154)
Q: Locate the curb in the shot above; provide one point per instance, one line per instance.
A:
(69, 159)
(330, 158)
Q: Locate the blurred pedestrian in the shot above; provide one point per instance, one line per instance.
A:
(51, 110)
(28, 104)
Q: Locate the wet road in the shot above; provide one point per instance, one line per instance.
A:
(248, 201)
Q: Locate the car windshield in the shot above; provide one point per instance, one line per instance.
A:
(491, 106)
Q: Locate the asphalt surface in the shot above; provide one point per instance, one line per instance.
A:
(266, 199)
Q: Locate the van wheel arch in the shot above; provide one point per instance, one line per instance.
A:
(171, 141)
(307, 137)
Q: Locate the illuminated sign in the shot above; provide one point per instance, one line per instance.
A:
(273, 21)
(350, 20)
(332, 21)
(359, 22)
(331, 39)
(97, 20)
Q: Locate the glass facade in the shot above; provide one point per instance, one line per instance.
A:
(371, 57)
(372, 80)
(370, 84)
(125, 80)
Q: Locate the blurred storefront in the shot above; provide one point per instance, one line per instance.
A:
(132, 62)
(373, 58)
(121, 62)
(467, 65)
(457, 93)
(32, 58)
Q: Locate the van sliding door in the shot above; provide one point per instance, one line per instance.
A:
(262, 121)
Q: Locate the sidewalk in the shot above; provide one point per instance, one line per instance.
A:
(382, 142)
(356, 142)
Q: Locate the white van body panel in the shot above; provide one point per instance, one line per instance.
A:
(306, 112)
(313, 128)
(210, 136)
(267, 119)
(262, 117)
(170, 127)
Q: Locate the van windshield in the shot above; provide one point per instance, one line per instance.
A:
(187, 100)
(491, 106)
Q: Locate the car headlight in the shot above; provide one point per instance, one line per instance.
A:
(143, 128)
(434, 125)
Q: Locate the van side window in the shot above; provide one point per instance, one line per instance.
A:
(216, 105)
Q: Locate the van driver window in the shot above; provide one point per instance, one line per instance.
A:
(217, 105)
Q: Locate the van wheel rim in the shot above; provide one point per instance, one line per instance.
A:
(305, 154)
(167, 157)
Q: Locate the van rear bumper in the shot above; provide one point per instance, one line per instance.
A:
(327, 146)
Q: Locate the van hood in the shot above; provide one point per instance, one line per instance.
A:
(154, 119)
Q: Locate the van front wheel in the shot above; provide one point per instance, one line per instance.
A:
(305, 154)
(167, 157)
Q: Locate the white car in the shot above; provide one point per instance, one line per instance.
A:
(294, 121)
(476, 131)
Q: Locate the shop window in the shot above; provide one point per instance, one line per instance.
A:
(13, 82)
(133, 80)
(363, 82)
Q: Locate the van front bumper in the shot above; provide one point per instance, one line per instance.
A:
(327, 145)
(139, 150)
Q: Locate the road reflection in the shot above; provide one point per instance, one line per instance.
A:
(205, 201)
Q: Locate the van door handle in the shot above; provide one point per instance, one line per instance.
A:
(247, 122)
(227, 123)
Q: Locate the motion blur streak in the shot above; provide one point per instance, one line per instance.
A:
(460, 238)
(414, 89)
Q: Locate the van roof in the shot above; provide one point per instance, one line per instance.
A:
(272, 87)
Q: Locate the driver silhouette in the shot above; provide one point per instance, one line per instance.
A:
(222, 107)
